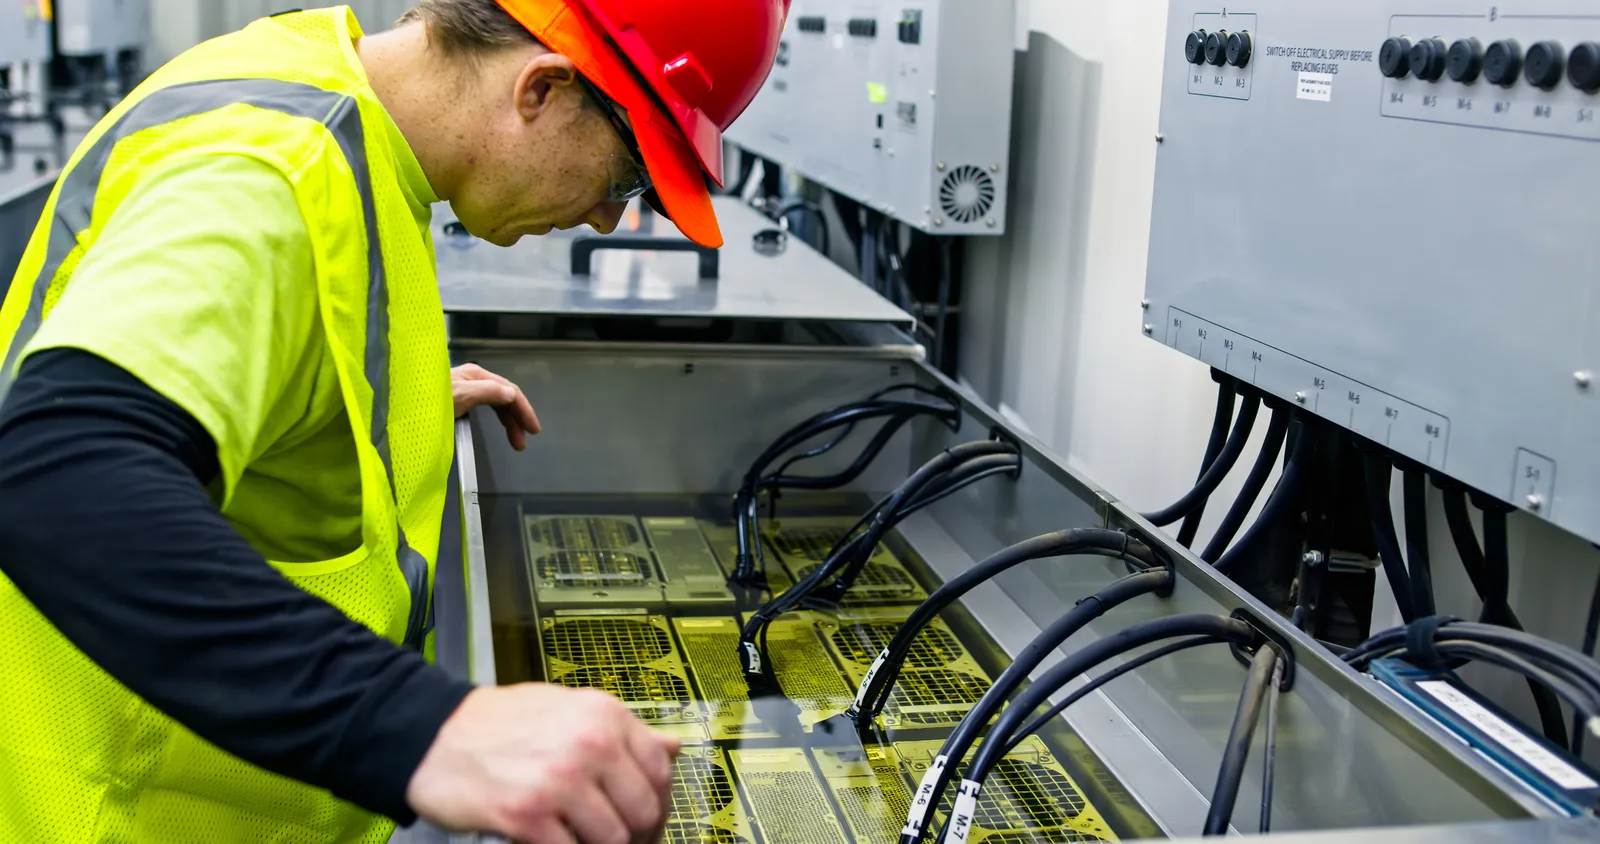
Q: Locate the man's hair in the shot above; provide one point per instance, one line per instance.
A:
(468, 28)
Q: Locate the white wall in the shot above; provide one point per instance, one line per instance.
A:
(1051, 320)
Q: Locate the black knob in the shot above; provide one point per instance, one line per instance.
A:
(1583, 66)
(1217, 48)
(1194, 47)
(1239, 49)
(1427, 59)
(1502, 62)
(1394, 59)
(1543, 66)
(1465, 61)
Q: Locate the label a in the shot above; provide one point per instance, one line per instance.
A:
(1315, 86)
(1509, 737)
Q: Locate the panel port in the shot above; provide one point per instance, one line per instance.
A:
(1544, 65)
(1239, 49)
(1217, 48)
(1428, 59)
(1394, 58)
(1502, 62)
(1194, 47)
(1465, 60)
(863, 27)
(1583, 67)
(813, 24)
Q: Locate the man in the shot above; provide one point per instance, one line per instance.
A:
(227, 422)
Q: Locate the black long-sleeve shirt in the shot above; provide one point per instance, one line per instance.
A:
(107, 528)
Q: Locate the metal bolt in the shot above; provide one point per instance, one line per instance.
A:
(938, 221)
(1160, 137)
(1583, 378)
(994, 168)
(1300, 396)
(990, 222)
(1149, 329)
(940, 167)
(1145, 304)
(1535, 501)
(1312, 558)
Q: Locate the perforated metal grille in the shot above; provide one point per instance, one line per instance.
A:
(632, 684)
(582, 534)
(699, 833)
(948, 690)
(699, 788)
(933, 647)
(1022, 795)
(606, 641)
(811, 543)
(792, 808)
(711, 657)
(875, 577)
(876, 813)
(804, 670)
(593, 568)
(1052, 836)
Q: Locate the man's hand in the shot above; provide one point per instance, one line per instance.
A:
(471, 385)
(546, 765)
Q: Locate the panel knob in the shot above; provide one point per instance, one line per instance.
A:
(1502, 62)
(1194, 47)
(1239, 49)
(1583, 67)
(1217, 48)
(1465, 61)
(1428, 58)
(1543, 67)
(1394, 59)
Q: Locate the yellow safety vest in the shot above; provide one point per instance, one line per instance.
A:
(82, 759)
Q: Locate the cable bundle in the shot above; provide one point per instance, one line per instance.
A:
(749, 562)
(947, 473)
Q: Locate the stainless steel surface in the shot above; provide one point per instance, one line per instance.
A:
(1416, 258)
(1574, 831)
(534, 277)
(905, 128)
(479, 652)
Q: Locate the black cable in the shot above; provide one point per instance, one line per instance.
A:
(1377, 478)
(961, 739)
(1094, 685)
(939, 339)
(1237, 751)
(1497, 557)
(1584, 699)
(1543, 652)
(1277, 432)
(1095, 653)
(809, 207)
(1284, 496)
(1496, 609)
(1415, 499)
(1217, 471)
(1591, 632)
(1083, 541)
(1269, 756)
(1221, 420)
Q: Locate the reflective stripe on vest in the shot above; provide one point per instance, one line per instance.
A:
(74, 211)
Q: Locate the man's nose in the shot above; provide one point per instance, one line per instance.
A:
(604, 217)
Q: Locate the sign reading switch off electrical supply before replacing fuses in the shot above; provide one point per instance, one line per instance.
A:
(1315, 86)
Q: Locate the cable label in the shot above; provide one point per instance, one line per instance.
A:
(752, 658)
(1509, 737)
(861, 693)
(961, 816)
(924, 798)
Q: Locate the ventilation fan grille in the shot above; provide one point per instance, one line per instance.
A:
(593, 568)
(637, 686)
(583, 534)
(935, 697)
(967, 194)
(874, 577)
(933, 647)
(810, 543)
(606, 642)
(699, 833)
(1034, 836)
(699, 788)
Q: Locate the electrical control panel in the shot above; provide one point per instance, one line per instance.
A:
(903, 105)
(88, 27)
(24, 34)
(1384, 211)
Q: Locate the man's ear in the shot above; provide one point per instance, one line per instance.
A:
(542, 76)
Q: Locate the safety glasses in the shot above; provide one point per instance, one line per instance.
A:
(629, 179)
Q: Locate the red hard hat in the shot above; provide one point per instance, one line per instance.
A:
(683, 69)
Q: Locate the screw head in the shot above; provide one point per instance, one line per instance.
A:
(938, 221)
(994, 168)
(1160, 138)
(1583, 379)
(940, 166)
(1145, 304)
(991, 223)
(1300, 396)
(1149, 329)
(1535, 501)
(1312, 558)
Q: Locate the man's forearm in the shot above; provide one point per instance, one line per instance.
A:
(107, 529)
